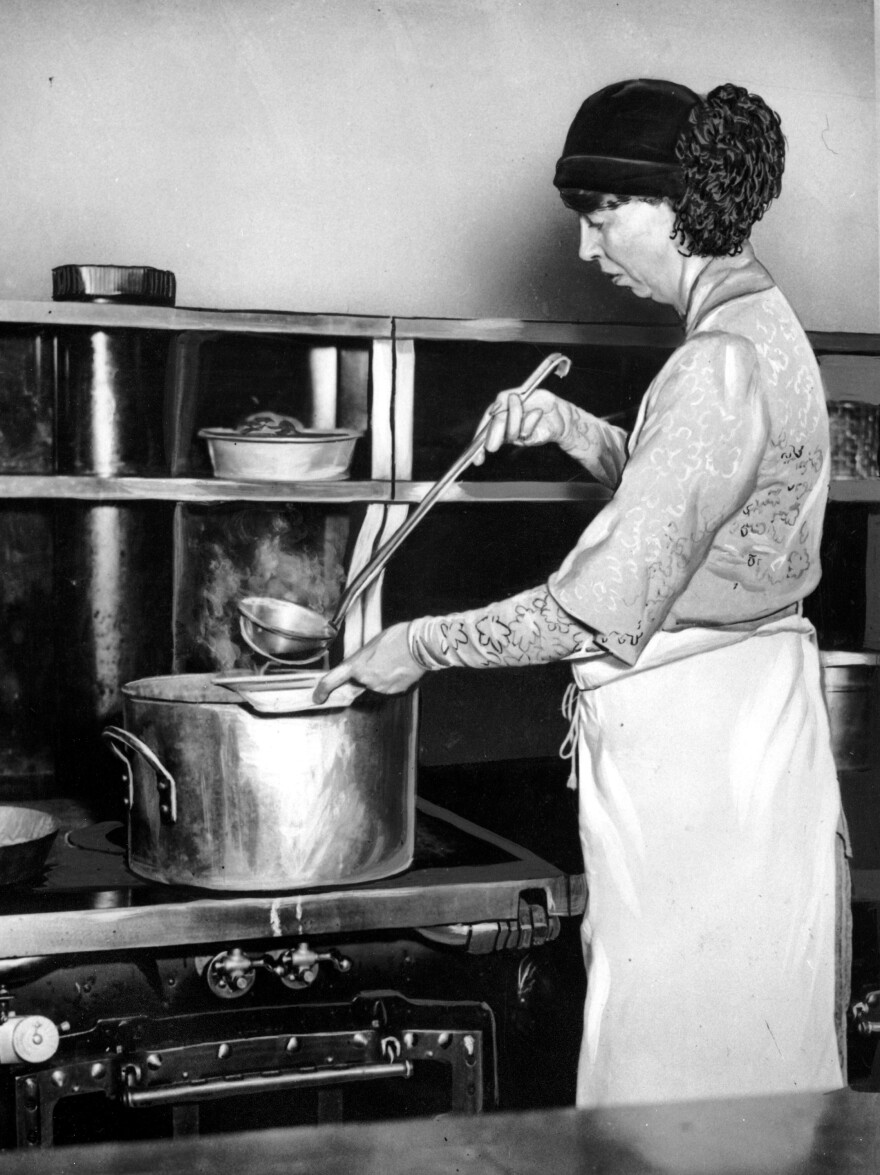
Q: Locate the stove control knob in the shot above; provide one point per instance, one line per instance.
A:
(28, 1038)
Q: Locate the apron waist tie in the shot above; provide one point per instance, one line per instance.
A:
(569, 748)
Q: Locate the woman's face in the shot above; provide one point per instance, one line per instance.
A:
(633, 244)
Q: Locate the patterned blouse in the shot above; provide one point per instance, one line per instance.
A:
(720, 490)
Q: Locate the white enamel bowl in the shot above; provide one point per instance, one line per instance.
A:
(324, 455)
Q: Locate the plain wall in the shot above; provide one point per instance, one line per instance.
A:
(396, 156)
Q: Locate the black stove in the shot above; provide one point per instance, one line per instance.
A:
(131, 1009)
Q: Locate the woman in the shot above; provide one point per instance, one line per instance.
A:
(709, 804)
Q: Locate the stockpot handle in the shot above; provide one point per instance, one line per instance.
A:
(119, 740)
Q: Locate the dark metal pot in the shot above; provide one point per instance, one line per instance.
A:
(851, 684)
(26, 838)
(110, 392)
(224, 798)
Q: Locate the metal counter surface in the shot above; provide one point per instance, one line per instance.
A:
(807, 1134)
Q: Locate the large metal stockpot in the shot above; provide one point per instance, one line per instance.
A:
(225, 798)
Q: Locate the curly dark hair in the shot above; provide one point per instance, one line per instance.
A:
(732, 155)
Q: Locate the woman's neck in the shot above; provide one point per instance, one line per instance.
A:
(691, 268)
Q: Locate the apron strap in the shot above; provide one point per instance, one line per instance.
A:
(569, 748)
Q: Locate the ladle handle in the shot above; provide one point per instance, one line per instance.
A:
(558, 362)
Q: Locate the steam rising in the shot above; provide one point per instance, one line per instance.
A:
(289, 553)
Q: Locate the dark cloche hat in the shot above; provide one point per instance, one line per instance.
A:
(622, 140)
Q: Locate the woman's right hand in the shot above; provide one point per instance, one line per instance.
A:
(542, 419)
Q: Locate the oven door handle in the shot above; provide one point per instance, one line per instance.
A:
(121, 742)
(203, 1091)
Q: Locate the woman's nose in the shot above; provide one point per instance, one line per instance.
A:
(588, 249)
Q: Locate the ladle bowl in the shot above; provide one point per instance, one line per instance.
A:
(283, 631)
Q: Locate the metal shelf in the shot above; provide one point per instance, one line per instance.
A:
(506, 491)
(108, 314)
(184, 489)
(503, 330)
(550, 334)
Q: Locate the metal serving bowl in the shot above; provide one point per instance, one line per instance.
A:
(310, 455)
(26, 836)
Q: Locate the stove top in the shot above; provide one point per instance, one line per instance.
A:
(88, 900)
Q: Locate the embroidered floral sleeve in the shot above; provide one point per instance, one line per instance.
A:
(694, 458)
(527, 629)
(598, 446)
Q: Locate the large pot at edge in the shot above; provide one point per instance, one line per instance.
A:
(222, 797)
(851, 684)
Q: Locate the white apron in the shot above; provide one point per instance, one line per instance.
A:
(709, 807)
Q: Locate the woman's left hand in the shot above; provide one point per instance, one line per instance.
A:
(385, 664)
(511, 420)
